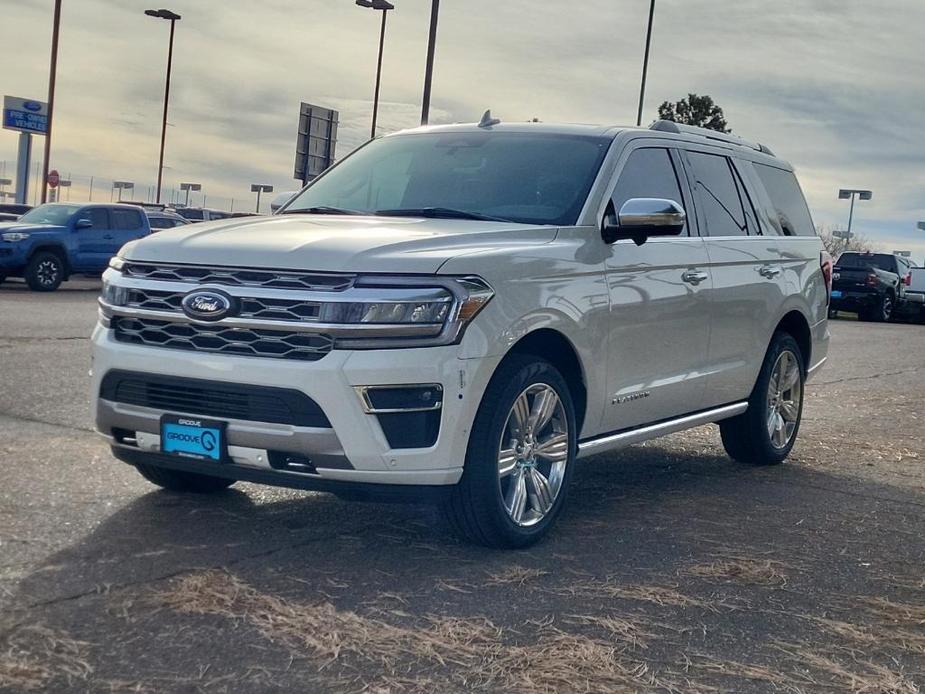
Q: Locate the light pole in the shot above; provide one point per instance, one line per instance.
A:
(384, 6)
(645, 63)
(173, 17)
(845, 194)
(188, 187)
(429, 69)
(52, 73)
(260, 188)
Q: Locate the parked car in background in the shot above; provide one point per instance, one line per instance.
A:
(915, 290)
(873, 285)
(10, 211)
(51, 242)
(165, 219)
(518, 296)
(201, 214)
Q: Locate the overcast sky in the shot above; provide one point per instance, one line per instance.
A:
(835, 86)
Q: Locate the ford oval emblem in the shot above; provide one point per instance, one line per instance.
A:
(32, 105)
(207, 305)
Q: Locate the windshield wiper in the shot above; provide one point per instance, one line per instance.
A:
(323, 209)
(438, 213)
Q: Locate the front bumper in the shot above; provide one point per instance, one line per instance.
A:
(354, 449)
(13, 257)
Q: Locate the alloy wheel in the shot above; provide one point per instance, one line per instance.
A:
(47, 272)
(532, 454)
(785, 395)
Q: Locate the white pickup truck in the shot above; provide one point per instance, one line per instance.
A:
(915, 288)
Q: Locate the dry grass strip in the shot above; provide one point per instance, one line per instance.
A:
(658, 595)
(33, 657)
(514, 575)
(761, 572)
(858, 676)
(467, 653)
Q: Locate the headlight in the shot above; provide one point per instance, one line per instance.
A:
(114, 295)
(13, 236)
(116, 263)
(400, 314)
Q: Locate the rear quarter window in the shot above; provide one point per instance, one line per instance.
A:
(128, 220)
(789, 204)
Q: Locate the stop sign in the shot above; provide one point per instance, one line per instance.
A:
(53, 178)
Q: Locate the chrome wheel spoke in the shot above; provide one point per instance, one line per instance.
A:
(520, 414)
(516, 500)
(554, 448)
(507, 461)
(789, 409)
(541, 496)
(544, 406)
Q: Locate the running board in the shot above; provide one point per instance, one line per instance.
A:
(611, 442)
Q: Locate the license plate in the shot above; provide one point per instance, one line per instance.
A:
(836, 294)
(192, 437)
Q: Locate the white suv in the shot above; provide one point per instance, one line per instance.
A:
(458, 313)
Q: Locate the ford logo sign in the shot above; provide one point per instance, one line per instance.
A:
(32, 105)
(207, 305)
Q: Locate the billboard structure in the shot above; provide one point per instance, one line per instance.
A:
(316, 141)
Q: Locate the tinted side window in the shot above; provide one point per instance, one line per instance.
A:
(126, 220)
(718, 195)
(788, 200)
(98, 216)
(648, 173)
(160, 222)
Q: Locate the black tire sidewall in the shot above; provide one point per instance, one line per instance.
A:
(31, 274)
(481, 468)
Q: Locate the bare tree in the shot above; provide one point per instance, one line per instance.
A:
(836, 246)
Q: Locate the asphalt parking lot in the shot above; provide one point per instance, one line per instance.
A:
(673, 569)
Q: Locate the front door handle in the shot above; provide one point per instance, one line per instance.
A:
(769, 271)
(694, 277)
(108, 237)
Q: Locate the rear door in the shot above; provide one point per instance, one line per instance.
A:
(127, 225)
(94, 241)
(660, 314)
(748, 289)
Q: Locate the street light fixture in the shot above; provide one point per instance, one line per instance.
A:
(260, 188)
(645, 63)
(384, 6)
(845, 194)
(172, 17)
(188, 187)
(429, 69)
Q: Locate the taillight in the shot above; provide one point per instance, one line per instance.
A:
(872, 279)
(907, 280)
(825, 261)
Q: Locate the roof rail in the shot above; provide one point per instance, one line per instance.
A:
(667, 126)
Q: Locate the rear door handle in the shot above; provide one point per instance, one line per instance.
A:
(694, 277)
(769, 271)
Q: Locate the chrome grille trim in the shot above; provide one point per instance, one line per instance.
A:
(260, 308)
(221, 339)
(238, 277)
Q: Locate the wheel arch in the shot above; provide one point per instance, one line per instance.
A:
(794, 323)
(555, 347)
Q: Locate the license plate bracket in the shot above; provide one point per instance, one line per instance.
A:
(193, 437)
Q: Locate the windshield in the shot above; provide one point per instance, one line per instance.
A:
(530, 178)
(52, 213)
(882, 261)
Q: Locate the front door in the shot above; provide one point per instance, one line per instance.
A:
(660, 312)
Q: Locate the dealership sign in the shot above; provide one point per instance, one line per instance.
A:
(25, 115)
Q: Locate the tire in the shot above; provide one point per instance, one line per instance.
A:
(45, 272)
(747, 438)
(513, 508)
(178, 481)
(882, 312)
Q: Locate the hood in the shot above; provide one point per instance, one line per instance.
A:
(331, 244)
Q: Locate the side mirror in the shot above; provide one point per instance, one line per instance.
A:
(83, 224)
(641, 218)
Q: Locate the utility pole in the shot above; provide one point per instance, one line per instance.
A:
(52, 73)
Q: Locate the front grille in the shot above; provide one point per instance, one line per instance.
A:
(207, 338)
(238, 277)
(264, 308)
(213, 399)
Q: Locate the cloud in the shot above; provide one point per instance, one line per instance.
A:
(834, 87)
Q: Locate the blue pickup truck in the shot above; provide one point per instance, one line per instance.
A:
(51, 242)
